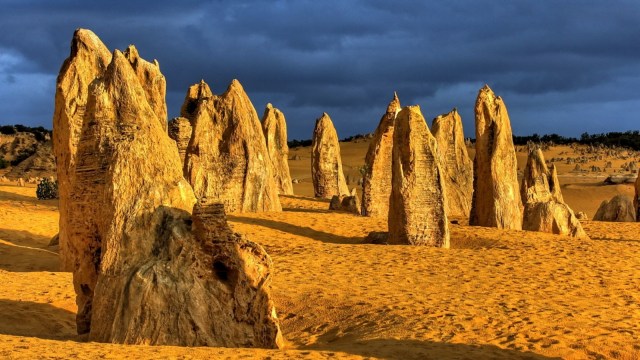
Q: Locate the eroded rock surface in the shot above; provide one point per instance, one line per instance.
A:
(496, 198)
(88, 60)
(326, 163)
(274, 127)
(376, 184)
(620, 209)
(227, 158)
(148, 271)
(456, 164)
(544, 207)
(417, 208)
(180, 131)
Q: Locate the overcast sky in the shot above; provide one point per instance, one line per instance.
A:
(561, 66)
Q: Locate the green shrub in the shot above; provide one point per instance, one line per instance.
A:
(47, 189)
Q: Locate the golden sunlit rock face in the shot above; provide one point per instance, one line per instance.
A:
(417, 208)
(274, 127)
(496, 196)
(147, 270)
(455, 162)
(326, 163)
(180, 131)
(376, 184)
(227, 158)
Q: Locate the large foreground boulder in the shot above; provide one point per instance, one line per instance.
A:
(146, 270)
(456, 164)
(274, 127)
(326, 163)
(620, 209)
(544, 208)
(496, 199)
(417, 211)
(227, 158)
(180, 131)
(376, 184)
(88, 60)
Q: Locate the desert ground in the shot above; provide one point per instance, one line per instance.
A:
(494, 294)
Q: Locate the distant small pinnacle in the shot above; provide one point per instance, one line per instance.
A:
(269, 106)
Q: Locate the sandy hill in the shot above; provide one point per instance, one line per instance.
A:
(495, 294)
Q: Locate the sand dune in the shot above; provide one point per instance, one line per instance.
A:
(494, 294)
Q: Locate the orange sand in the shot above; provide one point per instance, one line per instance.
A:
(494, 294)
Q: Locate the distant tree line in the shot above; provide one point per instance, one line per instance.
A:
(39, 132)
(629, 139)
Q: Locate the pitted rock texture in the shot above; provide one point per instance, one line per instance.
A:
(376, 184)
(180, 131)
(636, 198)
(227, 158)
(456, 164)
(544, 208)
(620, 209)
(326, 163)
(274, 127)
(88, 60)
(417, 211)
(496, 197)
(148, 271)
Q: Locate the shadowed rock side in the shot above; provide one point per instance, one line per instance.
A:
(496, 200)
(544, 208)
(417, 213)
(180, 131)
(88, 60)
(274, 127)
(456, 164)
(151, 273)
(153, 83)
(326, 164)
(227, 159)
(620, 209)
(376, 184)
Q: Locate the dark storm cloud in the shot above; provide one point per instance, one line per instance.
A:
(560, 66)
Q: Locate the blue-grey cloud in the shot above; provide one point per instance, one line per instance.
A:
(565, 67)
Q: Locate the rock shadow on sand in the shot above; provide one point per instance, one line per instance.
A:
(423, 349)
(31, 319)
(297, 230)
(22, 251)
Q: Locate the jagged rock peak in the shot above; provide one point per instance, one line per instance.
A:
(376, 182)
(417, 207)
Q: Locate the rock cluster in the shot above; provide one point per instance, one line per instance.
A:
(417, 214)
(274, 127)
(146, 269)
(544, 207)
(376, 182)
(227, 158)
(456, 164)
(348, 203)
(496, 199)
(326, 163)
(620, 209)
(180, 131)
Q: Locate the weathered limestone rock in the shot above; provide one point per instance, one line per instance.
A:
(326, 164)
(544, 208)
(496, 199)
(274, 127)
(153, 83)
(417, 208)
(180, 131)
(20, 182)
(149, 272)
(88, 60)
(227, 158)
(348, 203)
(581, 215)
(456, 164)
(376, 182)
(636, 198)
(620, 209)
